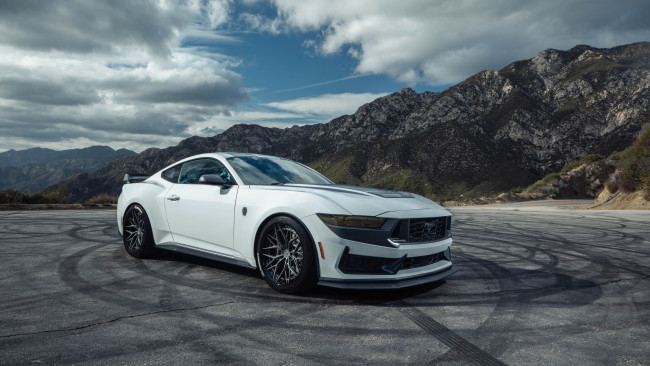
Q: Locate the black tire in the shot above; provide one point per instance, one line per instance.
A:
(138, 237)
(285, 256)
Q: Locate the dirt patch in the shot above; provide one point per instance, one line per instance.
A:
(620, 201)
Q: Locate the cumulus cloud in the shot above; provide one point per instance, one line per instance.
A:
(442, 42)
(74, 70)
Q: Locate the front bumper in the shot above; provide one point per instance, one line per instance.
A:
(345, 263)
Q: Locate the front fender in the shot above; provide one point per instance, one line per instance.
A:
(262, 204)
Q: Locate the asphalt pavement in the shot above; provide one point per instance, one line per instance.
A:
(537, 285)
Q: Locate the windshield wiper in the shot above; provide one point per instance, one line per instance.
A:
(277, 184)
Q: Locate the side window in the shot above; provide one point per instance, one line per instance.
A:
(193, 170)
(172, 173)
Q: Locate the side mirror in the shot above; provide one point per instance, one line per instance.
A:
(212, 179)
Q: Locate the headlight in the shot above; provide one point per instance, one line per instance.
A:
(364, 222)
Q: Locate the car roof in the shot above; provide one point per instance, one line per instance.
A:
(240, 154)
(226, 155)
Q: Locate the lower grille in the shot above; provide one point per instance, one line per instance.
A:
(422, 261)
(352, 263)
(362, 264)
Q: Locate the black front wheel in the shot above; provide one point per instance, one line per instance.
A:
(138, 237)
(285, 256)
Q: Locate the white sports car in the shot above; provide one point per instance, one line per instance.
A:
(287, 220)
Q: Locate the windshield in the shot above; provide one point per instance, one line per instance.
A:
(256, 170)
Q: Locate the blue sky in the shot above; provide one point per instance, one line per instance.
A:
(139, 74)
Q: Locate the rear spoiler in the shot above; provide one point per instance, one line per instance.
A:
(134, 178)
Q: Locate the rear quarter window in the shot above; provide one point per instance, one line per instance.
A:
(171, 174)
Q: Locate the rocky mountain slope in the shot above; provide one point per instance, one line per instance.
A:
(494, 131)
(34, 169)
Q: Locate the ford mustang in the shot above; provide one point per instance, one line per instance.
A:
(288, 221)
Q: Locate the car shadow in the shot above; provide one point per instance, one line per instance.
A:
(318, 294)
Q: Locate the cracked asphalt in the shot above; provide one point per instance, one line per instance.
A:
(536, 286)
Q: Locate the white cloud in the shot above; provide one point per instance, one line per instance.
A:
(74, 71)
(81, 26)
(327, 106)
(442, 42)
(218, 12)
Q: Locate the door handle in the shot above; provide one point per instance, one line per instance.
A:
(173, 198)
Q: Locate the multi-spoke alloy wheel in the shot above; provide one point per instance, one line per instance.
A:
(134, 230)
(282, 254)
(138, 239)
(285, 256)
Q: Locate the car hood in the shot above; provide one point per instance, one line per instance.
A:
(368, 201)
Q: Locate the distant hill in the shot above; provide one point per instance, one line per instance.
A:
(494, 131)
(34, 169)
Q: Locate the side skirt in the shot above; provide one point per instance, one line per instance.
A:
(203, 254)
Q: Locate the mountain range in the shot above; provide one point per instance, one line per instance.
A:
(492, 132)
(34, 169)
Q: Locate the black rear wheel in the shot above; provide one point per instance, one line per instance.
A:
(285, 256)
(138, 237)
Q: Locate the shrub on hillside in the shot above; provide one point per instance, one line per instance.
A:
(572, 165)
(10, 196)
(590, 158)
(58, 195)
(101, 199)
(545, 186)
(612, 186)
(585, 159)
(634, 165)
(551, 178)
(646, 188)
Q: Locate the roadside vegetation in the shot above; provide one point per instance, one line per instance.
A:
(632, 170)
(101, 200)
(633, 167)
(547, 186)
(55, 196)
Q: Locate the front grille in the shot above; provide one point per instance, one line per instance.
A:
(362, 264)
(428, 229)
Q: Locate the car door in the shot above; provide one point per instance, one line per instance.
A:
(202, 216)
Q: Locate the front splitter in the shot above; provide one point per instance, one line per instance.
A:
(371, 284)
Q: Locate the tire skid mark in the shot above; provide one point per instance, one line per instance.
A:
(113, 320)
(503, 254)
(69, 274)
(469, 352)
(110, 230)
(584, 253)
(588, 291)
(75, 234)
